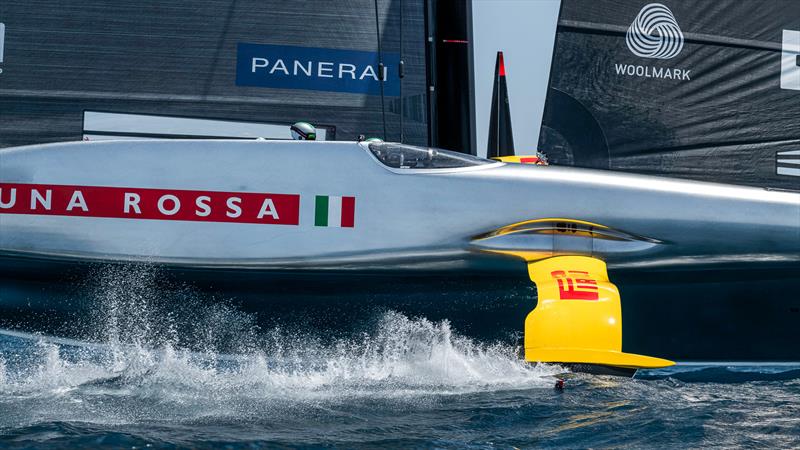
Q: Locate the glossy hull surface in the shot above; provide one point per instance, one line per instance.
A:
(204, 204)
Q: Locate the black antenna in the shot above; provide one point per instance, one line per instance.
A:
(381, 69)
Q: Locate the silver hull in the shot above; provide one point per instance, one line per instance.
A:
(404, 220)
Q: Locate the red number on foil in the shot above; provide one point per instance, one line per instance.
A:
(575, 285)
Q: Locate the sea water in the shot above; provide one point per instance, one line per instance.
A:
(142, 378)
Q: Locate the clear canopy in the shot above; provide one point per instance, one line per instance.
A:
(402, 156)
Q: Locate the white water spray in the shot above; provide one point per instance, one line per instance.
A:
(144, 363)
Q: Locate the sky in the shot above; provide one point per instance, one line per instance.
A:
(525, 31)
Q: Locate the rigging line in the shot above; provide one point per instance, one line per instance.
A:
(381, 70)
(401, 73)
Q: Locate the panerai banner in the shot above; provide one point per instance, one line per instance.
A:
(320, 69)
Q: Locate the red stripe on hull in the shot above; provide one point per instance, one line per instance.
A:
(110, 202)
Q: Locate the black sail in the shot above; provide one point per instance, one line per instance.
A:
(705, 90)
(87, 70)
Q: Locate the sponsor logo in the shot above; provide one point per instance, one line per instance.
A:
(651, 72)
(575, 285)
(788, 163)
(321, 69)
(655, 33)
(155, 204)
(790, 60)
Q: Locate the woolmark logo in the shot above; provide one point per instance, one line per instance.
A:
(655, 33)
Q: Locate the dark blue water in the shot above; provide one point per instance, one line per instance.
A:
(144, 380)
(414, 384)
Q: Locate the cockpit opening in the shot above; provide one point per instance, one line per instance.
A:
(402, 156)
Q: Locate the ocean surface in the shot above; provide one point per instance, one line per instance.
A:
(140, 379)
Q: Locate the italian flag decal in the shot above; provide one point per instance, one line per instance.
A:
(331, 211)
